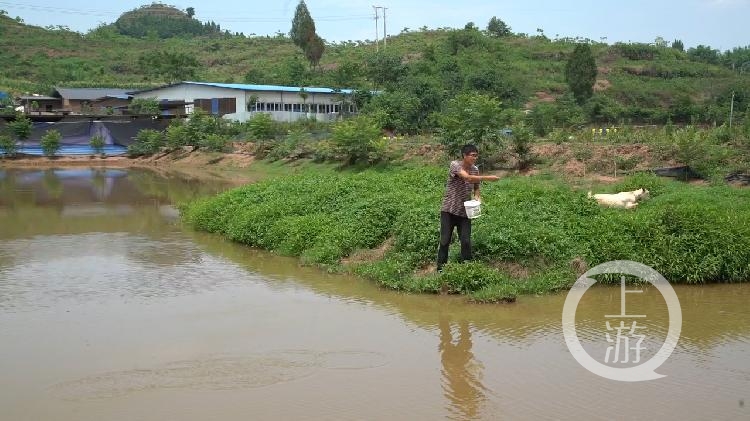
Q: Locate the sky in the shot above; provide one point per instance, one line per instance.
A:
(720, 24)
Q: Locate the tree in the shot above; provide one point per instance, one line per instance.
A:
(358, 139)
(190, 12)
(346, 74)
(497, 28)
(303, 94)
(51, 142)
(396, 111)
(580, 73)
(678, 45)
(21, 127)
(471, 118)
(303, 26)
(705, 54)
(303, 35)
(147, 106)
(384, 67)
(314, 50)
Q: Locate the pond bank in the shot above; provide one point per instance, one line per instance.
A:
(536, 235)
(539, 231)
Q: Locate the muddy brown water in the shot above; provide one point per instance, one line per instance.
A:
(111, 310)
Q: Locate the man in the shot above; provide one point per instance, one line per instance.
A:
(463, 177)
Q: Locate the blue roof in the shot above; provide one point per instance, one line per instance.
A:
(3, 94)
(248, 87)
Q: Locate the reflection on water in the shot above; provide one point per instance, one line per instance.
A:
(110, 309)
(75, 200)
(461, 372)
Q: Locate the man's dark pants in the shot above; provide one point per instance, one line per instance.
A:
(447, 222)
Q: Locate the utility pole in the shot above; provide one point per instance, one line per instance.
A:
(731, 111)
(377, 40)
(385, 36)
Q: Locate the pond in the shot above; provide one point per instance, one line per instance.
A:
(111, 309)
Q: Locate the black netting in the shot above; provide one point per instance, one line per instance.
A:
(122, 132)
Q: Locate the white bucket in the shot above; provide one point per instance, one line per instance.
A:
(473, 208)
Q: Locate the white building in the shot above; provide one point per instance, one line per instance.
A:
(240, 101)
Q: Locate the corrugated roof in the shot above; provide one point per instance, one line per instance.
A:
(89, 93)
(42, 98)
(248, 87)
(117, 96)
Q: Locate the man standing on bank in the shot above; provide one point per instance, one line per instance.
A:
(463, 177)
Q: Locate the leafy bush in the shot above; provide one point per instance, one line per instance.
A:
(214, 143)
(147, 142)
(358, 140)
(261, 126)
(20, 127)
(51, 142)
(396, 111)
(521, 146)
(471, 118)
(97, 143)
(292, 146)
(8, 146)
(144, 106)
(177, 135)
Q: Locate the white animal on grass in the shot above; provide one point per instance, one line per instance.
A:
(626, 199)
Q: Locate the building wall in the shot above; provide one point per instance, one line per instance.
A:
(100, 107)
(281, 102)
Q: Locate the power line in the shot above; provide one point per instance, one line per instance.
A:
(105, 13)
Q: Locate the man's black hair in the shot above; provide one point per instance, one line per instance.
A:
(467, 149)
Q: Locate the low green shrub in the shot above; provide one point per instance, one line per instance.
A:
(147, 142)
(8, 146)
(691, 234)
(51, 142)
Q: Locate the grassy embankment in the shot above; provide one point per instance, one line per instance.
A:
(536, 236)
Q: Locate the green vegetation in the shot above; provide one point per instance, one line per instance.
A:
(534, 233)
(358, 140)
(144, 106)
(148, 142)
(580, 73)
(304, 36)
(201, 131)
(51, 143)
(8, 146)
(420, 72)
(20, 127)
(97, 144)
(472, 118)
(162, 21)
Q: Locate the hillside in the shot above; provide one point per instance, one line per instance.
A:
(162, 21)
(635, 82)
